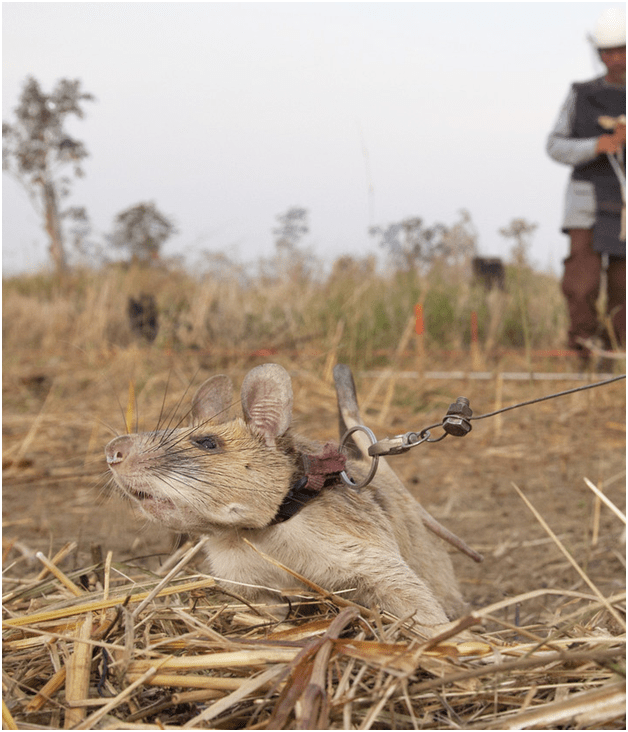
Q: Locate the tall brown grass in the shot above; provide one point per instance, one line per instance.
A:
(228, 311)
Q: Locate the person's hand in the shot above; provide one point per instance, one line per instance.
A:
(612, 143)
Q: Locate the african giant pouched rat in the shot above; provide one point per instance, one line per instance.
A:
(232, 479)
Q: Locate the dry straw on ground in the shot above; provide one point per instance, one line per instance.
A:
(114, 646)
(145, 652)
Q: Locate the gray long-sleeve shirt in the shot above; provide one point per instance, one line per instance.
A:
(563, 148)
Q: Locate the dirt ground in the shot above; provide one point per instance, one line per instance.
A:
(61, 409)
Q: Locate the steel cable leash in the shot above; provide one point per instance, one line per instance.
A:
(457, 422)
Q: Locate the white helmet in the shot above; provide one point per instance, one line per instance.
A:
(610, 31)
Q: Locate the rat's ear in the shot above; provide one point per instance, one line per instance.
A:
(212, 400)
(267, 401)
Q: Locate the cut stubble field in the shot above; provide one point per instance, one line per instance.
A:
(516, 489)
(60, 412)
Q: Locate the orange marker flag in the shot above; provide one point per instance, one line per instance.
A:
(418, 311)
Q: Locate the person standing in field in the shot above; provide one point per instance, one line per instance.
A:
(590, 136)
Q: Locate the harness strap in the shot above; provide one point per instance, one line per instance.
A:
(320, 471)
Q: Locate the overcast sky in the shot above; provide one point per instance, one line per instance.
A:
(227, 114)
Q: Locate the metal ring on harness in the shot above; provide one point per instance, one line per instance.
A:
(374, 458)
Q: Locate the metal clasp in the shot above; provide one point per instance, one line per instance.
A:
(398, 444)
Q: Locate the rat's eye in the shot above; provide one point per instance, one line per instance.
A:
(206, 442)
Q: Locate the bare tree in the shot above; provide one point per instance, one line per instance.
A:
(290, 259)
(409, 243)
(521, 231)
(37, 149)
(412, 245)
(458, 243)
(292, 226)
(143, 230)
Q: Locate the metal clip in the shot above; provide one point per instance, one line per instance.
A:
(398, 444)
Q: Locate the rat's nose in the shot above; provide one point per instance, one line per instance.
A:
(118, 449)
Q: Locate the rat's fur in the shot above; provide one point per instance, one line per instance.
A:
(226, 478)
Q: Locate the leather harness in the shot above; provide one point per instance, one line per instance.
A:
(319, 471)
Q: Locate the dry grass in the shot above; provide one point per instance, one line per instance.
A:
(140, 652)
(234, 314)
(121, 644)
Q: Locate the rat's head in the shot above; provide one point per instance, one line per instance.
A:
(220, 472)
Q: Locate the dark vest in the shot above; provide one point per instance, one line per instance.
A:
(594, 99)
